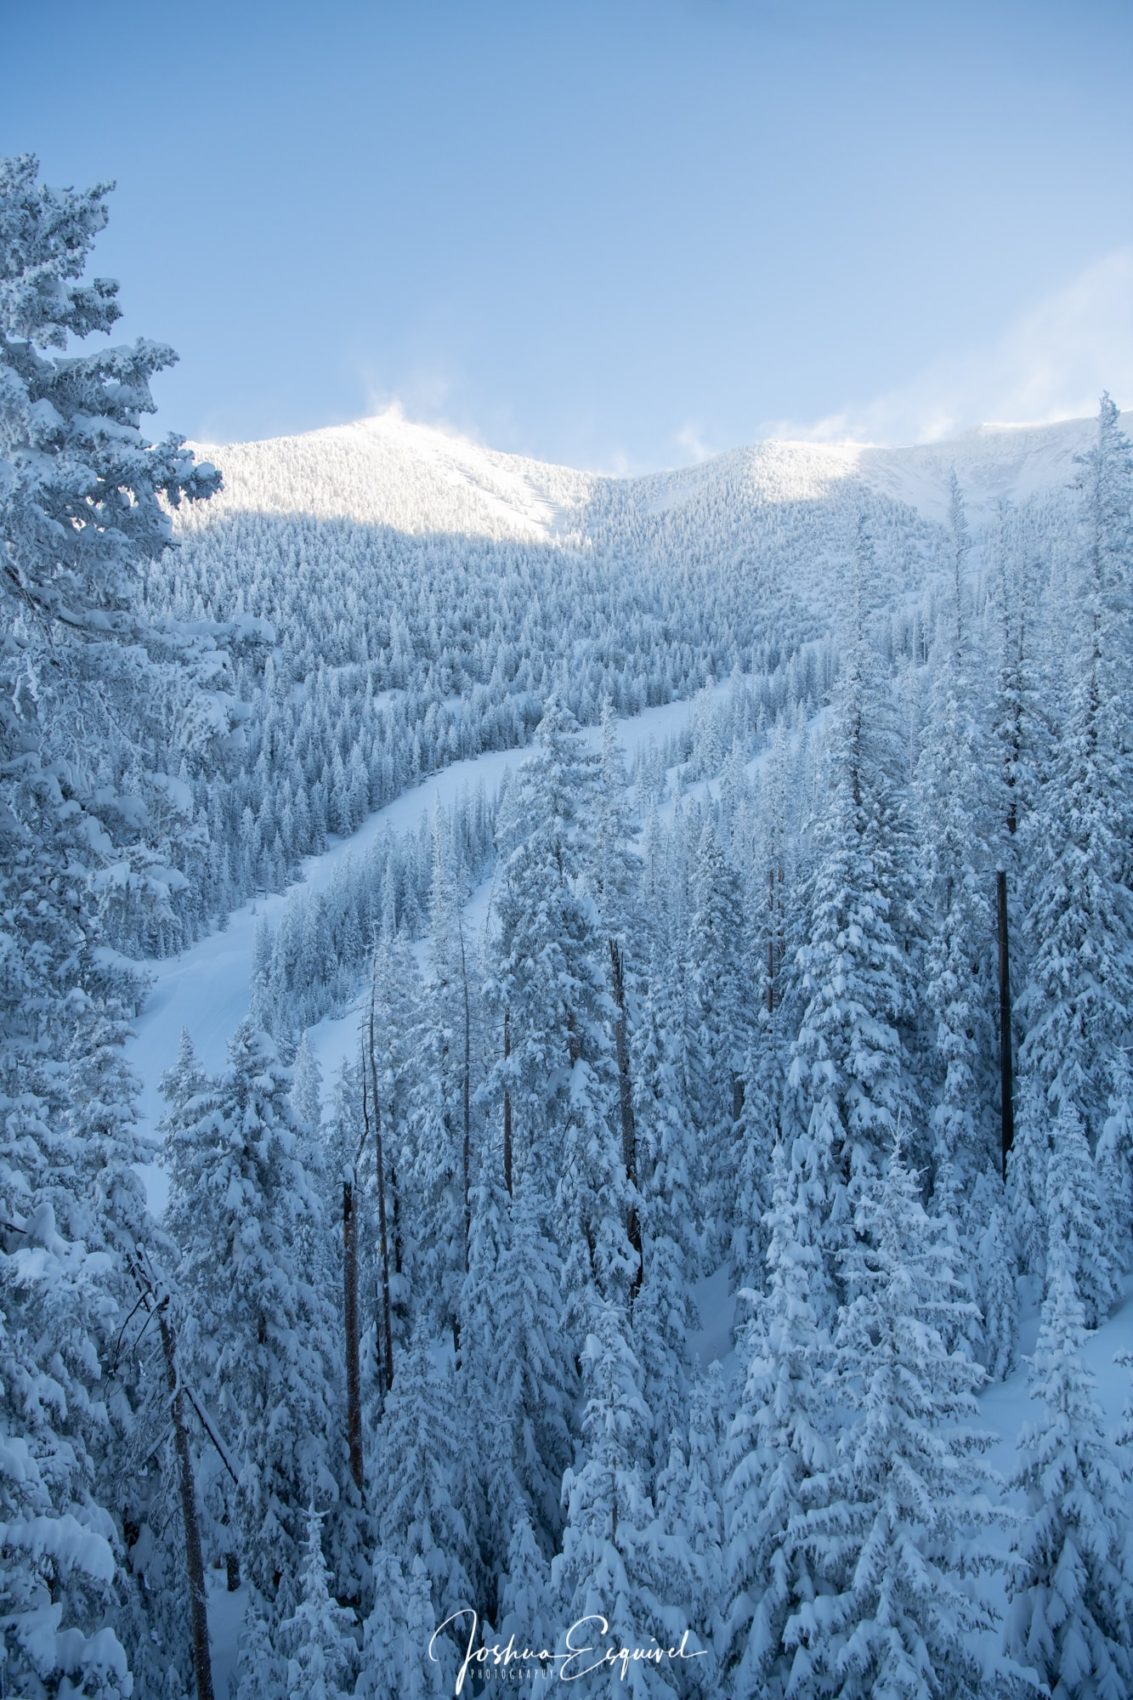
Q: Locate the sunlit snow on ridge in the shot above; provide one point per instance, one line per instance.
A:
(388, 470)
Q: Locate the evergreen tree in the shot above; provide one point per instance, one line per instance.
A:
(616, 883)
(780, 1441)
(551, 979)
(957, 885)
(316, 1639)
(257, 1336)
(774, 904)
(1075, 1004)
(519, 1348)
(84, 683)
(664, 1314)
(608, 1567)
(307, 1094)
(1070, 1593)
(997, 1298)
(903, 1496)
(424, 1471)
(1022, 703)
(401, 1653)
(260, 1671)
(720, 1032)
(1083, 1221)
(850, 1072)
(690, 1557)
(1115, 1152)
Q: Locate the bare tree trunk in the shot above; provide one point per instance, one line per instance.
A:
(350, 1320)
(507, 1106)
(776, 944)
(194, 1559)
(625, 1107)
(1006, 1073)
(395, 1217)
(771, 941)
(387, 1322)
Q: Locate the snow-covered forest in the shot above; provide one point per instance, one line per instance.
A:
(674, 1179)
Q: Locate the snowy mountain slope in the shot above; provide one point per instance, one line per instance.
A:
(994, 463)
(387, 470)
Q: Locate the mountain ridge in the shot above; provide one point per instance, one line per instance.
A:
(387, 469)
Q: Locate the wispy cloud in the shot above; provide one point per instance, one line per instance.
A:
(428, 395)
(1051, 363)
(691, 439)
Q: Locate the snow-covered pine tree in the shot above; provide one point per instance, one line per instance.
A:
(1081, 1217)
(550, 977)
(532, 1365)
(1069, 1619)
(192, 1132)
(1020, 710)
(895, 1516)
(258, 1335)
(1076, 1000)
(957, 882)
(422, 1448)
(609, 1566)
(616, 887)
(719, 1038)
(781, 1438)
(664, 1314)
(83, 680)
(1115, 1153)
(997, 1298)
(260, 1671)
(850, 1073)
(317, 1640)
(438, 1123)
(527, 1607)
(401, 1653)
(691, 1566)
(773, 902)
(307, 1093)
(494, 1501)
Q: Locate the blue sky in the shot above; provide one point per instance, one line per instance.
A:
(619, 234)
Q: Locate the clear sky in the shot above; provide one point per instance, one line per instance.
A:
(616, 233)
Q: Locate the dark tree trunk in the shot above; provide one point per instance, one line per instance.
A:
(350, 1321)
(776, 943)
(771, 941)
(625, 1107)
(194, 1559)
(507, 1105)
(383, 1238)
(1006, 1080)
(395, 1217)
